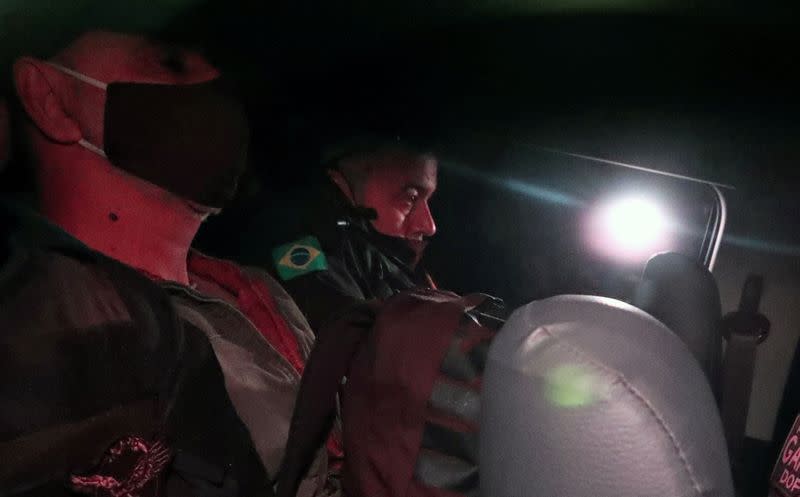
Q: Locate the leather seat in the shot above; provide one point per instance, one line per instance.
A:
(591, 397)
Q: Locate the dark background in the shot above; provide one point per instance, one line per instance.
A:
(688, 87)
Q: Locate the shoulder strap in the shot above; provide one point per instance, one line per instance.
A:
(315, 407)
(744, 329)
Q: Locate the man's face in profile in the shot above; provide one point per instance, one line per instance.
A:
(399, 189)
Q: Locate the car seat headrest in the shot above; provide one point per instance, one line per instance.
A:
(591, 397)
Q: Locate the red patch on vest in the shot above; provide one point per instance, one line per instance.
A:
(132, 467)
(255, 302)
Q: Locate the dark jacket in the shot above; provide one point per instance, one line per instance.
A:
(99, 376)
(362, 264)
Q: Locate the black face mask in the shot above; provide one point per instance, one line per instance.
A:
(188, 139)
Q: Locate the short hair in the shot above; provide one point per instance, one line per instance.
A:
(356, 160)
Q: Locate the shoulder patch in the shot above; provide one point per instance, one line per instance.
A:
(299, 257)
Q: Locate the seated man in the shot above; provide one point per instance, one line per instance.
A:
(134, 145)
(367, 235)
(99, 376)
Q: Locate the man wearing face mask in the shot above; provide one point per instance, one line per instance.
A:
(366, 231)
(134, 144)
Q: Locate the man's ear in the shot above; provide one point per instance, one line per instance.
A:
(338, 178)
(40, 90)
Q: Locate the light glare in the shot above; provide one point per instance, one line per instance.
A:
(630, 228)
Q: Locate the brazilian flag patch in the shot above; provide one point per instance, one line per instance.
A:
(299, 257)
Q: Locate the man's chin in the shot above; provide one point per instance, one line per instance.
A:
(418, 246)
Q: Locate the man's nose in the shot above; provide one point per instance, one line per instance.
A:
(422, 222)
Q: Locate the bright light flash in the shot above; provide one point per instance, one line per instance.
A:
(630, 228)
(633, 223)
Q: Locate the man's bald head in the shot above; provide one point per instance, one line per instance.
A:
(65, 109)
(358, 168)
(111, 57)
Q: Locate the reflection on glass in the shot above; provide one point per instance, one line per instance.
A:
(525, 223)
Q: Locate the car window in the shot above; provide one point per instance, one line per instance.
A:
(538, 222)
